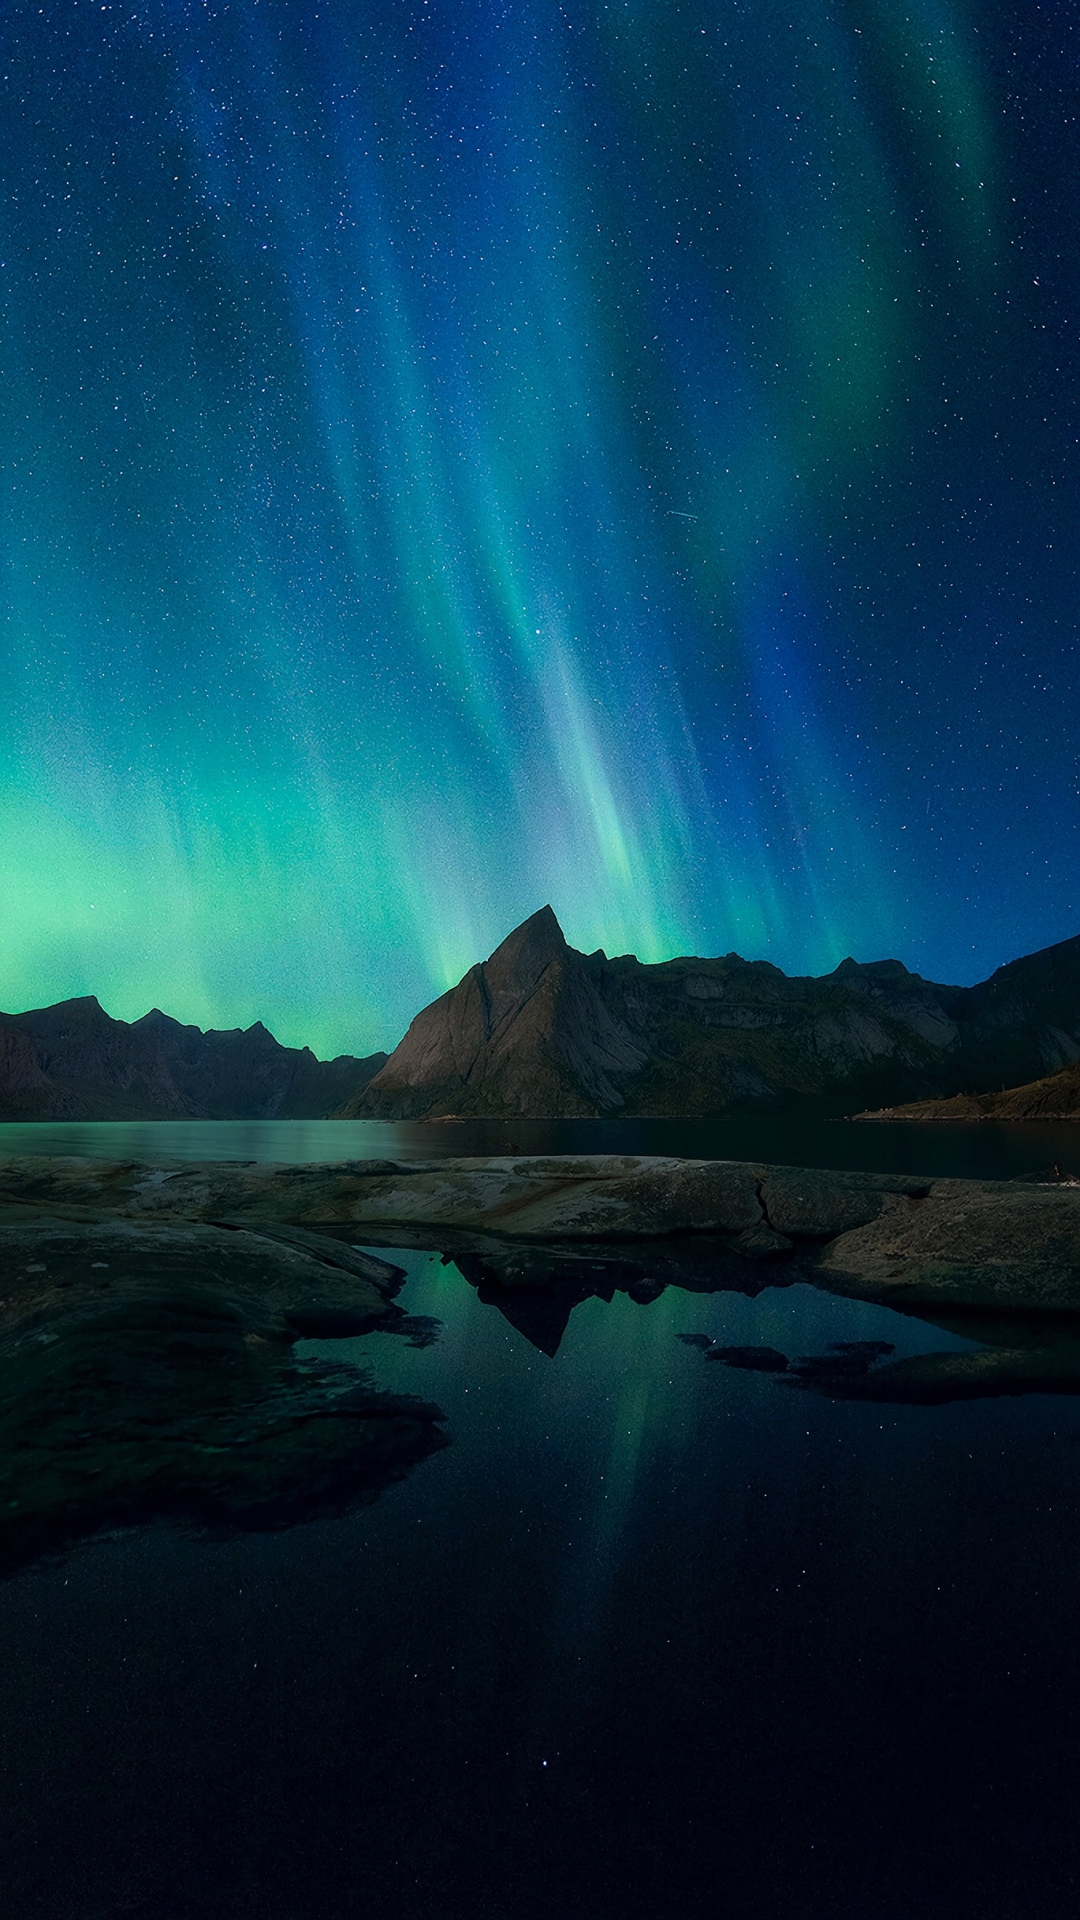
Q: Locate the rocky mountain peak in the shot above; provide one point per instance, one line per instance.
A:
(850, 969)
(540, 1029)
(155, 1020)
(261, 1035)
(520, 959)
(73, 1061)
(82, 1015)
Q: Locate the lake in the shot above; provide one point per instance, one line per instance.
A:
(983, 1152)
(652, 1636)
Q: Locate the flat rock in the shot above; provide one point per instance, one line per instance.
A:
(1004, 1246)
(816, 1203)
(965, 1241)
(567, 1196)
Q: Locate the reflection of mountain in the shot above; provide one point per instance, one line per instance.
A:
(544, 1030)
(73, 1062)
(149, 1372)
(536, 1288)
(542, 1314)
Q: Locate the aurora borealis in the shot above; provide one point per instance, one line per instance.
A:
(460, 456)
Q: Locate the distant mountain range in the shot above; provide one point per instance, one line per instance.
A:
(542, 1030)
(73, 1062)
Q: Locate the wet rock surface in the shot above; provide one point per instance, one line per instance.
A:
(147, 1372)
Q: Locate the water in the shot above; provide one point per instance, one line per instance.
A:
(652, 1637)
(987, 1152)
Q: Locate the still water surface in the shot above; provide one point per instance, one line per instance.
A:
(650, 1638)
(985, 1152)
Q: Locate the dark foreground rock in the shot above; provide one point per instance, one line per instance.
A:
(966, 1241)
(750, 1359)
(1037, 1354)
(935, 1379)
(147, 1372)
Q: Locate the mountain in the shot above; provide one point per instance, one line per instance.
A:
(73, 1062)
(541, 1029)
(1057, 1097)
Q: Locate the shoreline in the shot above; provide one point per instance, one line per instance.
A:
(894, 1238)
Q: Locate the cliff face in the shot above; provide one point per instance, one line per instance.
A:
(73, 1062)
(529, 1031)
(540, 1029)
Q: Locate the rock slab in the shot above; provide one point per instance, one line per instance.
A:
(894, 1238)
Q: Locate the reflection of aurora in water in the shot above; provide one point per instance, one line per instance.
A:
(464, 459)
(645, 1620)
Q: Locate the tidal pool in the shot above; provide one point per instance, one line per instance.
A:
(653, 1635)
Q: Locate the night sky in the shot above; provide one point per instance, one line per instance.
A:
(459, 456)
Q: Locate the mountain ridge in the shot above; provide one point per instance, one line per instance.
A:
(542, 1030)
(73, 1061)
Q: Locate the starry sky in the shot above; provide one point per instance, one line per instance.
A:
(462, 454)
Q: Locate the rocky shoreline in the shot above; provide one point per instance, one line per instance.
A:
(148, 1372)
(898, 1239)
(150, 1313)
